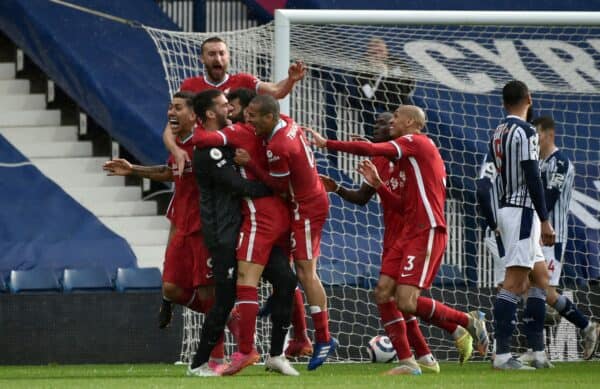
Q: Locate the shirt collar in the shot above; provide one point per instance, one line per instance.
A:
(280, 124)
(217, 84)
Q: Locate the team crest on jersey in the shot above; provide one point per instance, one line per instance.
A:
(271, 157)
(393, 183)
(401, 178)
(216, 154)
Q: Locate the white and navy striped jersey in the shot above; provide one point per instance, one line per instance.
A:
(514, 141)
(558, 175)
(488, 171)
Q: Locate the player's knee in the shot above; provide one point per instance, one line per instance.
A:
(551, 296)
(406, 299)
(407, 306)
(306, 274)
(382, 294)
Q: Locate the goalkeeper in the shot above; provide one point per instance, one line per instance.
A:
(221, 190)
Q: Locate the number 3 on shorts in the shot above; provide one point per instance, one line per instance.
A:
(410, 265)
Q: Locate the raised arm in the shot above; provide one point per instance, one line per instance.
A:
(178, 153)
(368, 170)
(282, 88)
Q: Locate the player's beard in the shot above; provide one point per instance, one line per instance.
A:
(216, 72)
(222, 121)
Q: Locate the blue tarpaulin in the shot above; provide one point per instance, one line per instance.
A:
(43, 227)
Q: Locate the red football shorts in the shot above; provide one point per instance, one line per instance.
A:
(259, 235)
(416, 261)
(305, 239)
(187, 261)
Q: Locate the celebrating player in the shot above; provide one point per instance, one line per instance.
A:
(292, 171)
(265, 224)
(187, 270)
(215, 58)
(416, 255)
(222, 188)
(515, 150)
(393, 225)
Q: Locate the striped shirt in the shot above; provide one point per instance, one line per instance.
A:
(558, 175)
(513, 142)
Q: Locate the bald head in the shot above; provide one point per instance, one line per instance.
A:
(408, 119)
(415, 113)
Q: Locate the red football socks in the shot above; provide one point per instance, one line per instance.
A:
(441, 315)
(247, 306)
(299, 316)
(395, 328)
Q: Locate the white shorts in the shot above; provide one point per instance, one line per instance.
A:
(554, 255)
(521, 233)
(491, 243)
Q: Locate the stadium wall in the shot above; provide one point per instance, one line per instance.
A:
(101, 327)
(119, 328)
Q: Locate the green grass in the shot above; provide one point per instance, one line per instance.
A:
(473, 375)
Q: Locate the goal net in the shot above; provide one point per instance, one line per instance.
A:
(455, 73)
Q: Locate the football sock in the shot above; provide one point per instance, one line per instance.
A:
(247, 305)
(218, 352)
(415, 336)
(299, 316)
(533, 317)
(440, 315)
(505, 320)
(321, 324)
(568, 310)
(395, 328)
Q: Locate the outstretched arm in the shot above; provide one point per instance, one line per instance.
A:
(122, 167)
(387, 149)
(360, 196)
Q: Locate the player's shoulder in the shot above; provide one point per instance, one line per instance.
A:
(521, 126)
(559, 160)
(192, 84)
(243, 80)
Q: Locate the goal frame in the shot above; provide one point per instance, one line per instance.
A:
(284, 18)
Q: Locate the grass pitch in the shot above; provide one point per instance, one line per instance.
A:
(347, 376)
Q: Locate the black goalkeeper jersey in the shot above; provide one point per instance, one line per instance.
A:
(221, 190)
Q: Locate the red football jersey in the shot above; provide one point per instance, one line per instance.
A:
(231, 82)
(243, 136)
(289, 154)
(184, 209)
(392, 219)
(422, 182)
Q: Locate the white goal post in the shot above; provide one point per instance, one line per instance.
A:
(286, 17)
